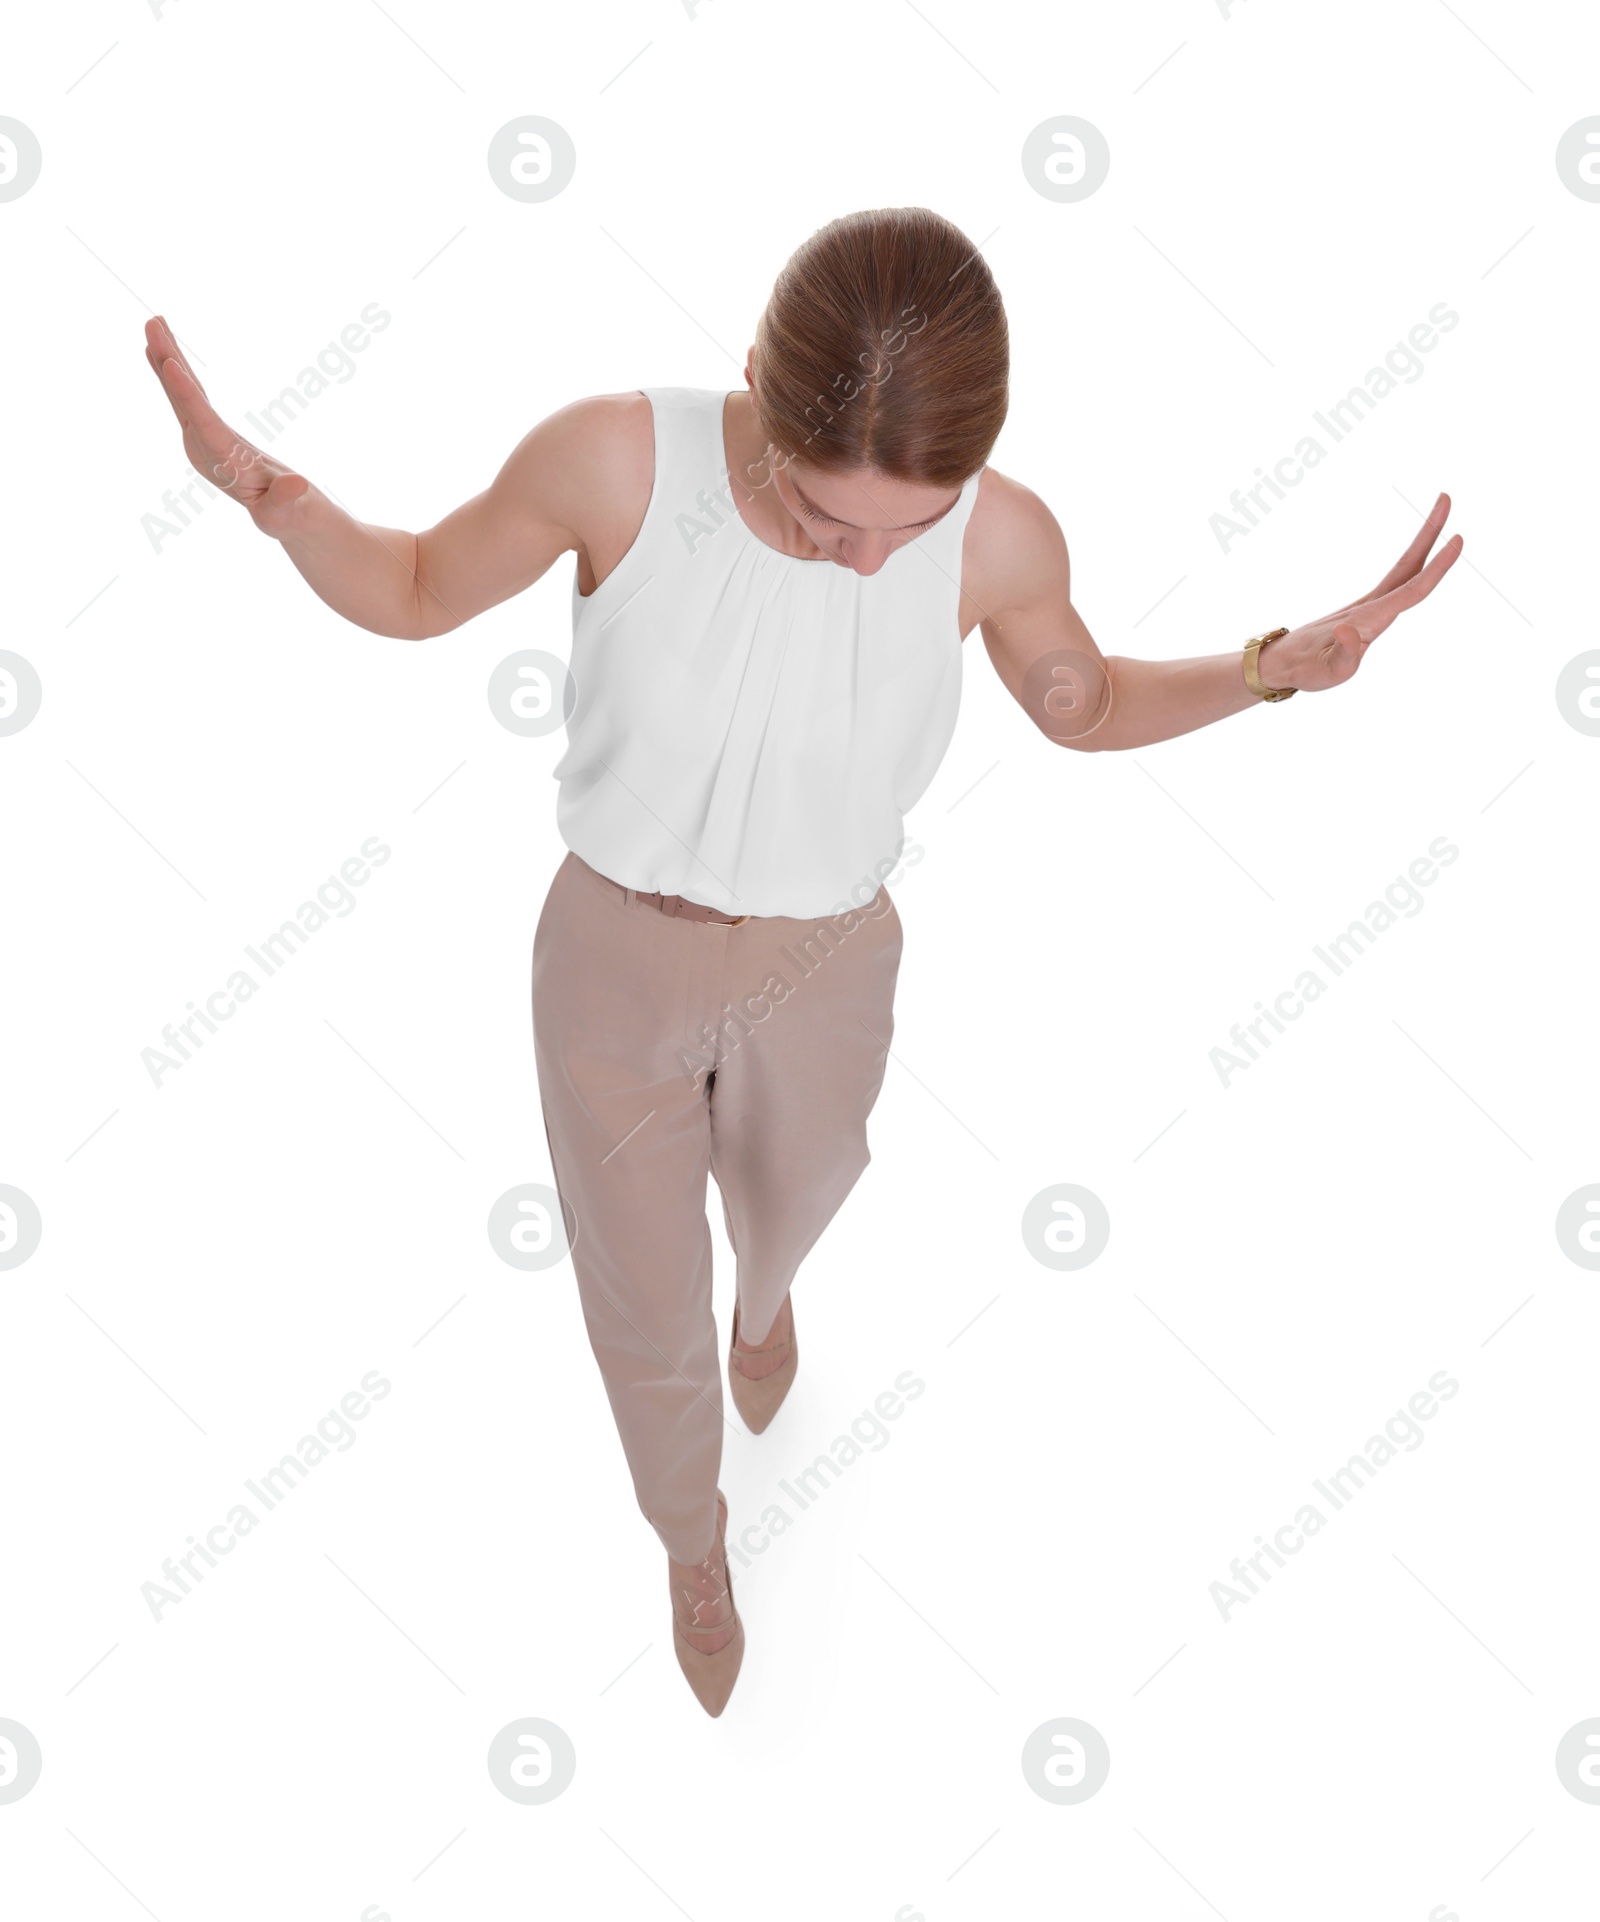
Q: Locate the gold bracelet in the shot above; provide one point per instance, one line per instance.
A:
(1252, 674)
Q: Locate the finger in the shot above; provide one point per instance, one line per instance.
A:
(160, 349)
(160, 366)
(167, 348)
(1411, 560)
(227, 453)
(1370, 618)
(158, 343)
(1349, 646)
(286, 489)
(1419, 586)
(188, 399)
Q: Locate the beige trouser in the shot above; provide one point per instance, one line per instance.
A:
(667, 1048)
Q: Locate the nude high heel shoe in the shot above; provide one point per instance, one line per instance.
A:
(713, 1675)
(758, 1398)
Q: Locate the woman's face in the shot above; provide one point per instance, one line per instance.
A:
(859, 518)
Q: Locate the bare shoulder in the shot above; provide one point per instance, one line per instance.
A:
(612, 428)
(604, 443)
(1014, 551)
(589, 468)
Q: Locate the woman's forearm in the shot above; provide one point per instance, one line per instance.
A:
(1157, 700)
(366, 573)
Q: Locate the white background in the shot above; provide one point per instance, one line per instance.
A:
(224, 1257)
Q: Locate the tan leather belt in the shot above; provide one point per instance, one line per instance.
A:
(683, 909)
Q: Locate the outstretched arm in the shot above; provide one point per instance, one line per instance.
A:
(412, 586)
(1081, 698)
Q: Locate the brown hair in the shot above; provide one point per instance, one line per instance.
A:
(884, 345)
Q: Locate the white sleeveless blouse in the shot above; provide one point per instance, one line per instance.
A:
(750, 728)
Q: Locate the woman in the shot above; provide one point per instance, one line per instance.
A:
(765, 683)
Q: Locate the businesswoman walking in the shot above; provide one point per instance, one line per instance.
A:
(771, 592)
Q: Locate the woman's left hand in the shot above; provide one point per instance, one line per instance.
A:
(1323, 653)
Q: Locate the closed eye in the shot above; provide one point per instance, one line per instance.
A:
(827, 520)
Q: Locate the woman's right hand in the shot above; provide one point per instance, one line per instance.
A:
(267, 490)
(579, 480)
